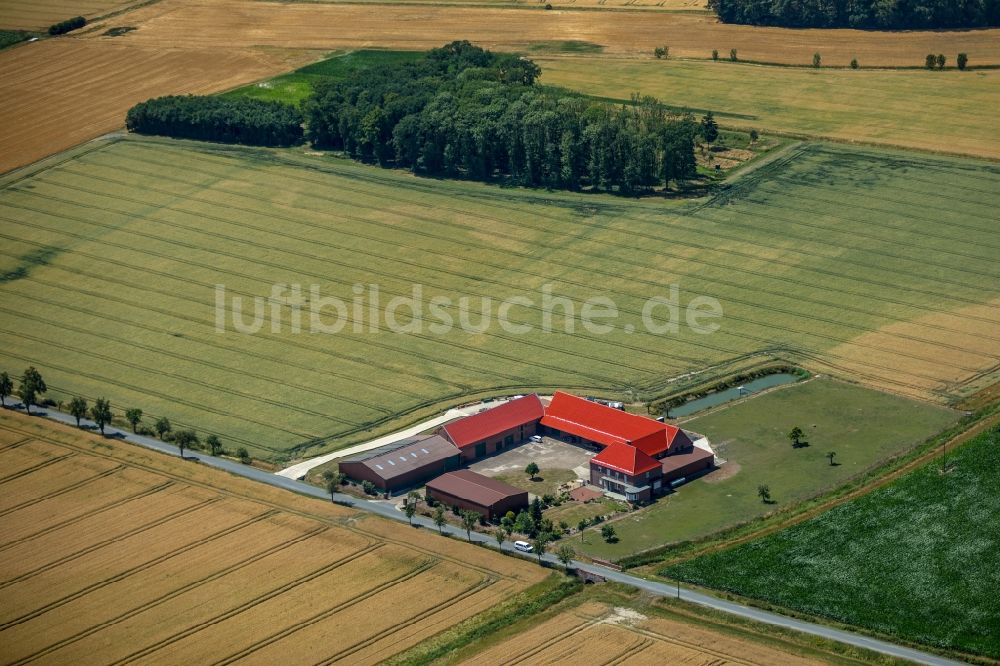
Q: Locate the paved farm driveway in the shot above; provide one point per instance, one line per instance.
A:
(548, 454)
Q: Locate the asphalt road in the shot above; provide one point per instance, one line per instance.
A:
(389, 510)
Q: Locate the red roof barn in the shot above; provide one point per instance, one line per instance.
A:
(495, 429)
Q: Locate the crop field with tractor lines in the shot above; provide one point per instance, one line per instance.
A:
(40, 14)
(594, 633)
(312, 25)
(112, 256)
(123, 556)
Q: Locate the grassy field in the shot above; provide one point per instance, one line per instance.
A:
(294, 87)
(112, 256)
(877, 106)
(862, 426)
(916, 560)
(110, 552)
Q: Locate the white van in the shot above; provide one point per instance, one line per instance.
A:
(523, 546)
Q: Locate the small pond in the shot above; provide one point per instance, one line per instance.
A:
(749, 388)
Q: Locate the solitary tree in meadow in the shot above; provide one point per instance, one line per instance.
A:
(6, 388)
(162, 427)
(817, 60)
(469, 520)
(133, 416)
(439, 518)
(854, 63)
(214, 444)
(608, 534)
(101, 413)
(660, 52)
(754, 136)
(796, 435)
(32, 386)
(78, 409)
(532, 470)
(764, 493)
(831, 455)
(963, 60)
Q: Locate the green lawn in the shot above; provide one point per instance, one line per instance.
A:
(876, 105)
(861, 425)
(544, 483)
(918, 559)
(295, 86)
(110, 258)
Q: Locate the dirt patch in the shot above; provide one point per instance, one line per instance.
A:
(722, 473)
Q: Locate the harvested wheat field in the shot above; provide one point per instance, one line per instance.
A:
(61, 92)
(642, 5)
(39, 14)
(241, 24)
(110, 553)
(596, 633)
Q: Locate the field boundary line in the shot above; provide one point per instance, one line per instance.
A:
(104, 543)
(236, 566)
(149, 490)
(643, 644)
(69, 488)
(232, 612)
(690, 645)
(483, 584)
(35, 468)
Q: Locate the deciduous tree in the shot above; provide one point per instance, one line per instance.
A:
(133, 416)
(100, 413)
(31, 388)
(439, 518)
(78, 409)
(162, 427)
(6, 387)
(764, 493)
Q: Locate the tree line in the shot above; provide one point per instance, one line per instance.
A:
(68, 25)
(462, 111)
(32, 387)
(867, 14)
(242, 120)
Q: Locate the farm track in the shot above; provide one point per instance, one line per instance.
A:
(44, 463)
(925, 459)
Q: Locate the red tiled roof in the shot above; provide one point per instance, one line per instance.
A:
(596, 422)
(471, 429)
(476, 488)
(625, 458)
(660, 441)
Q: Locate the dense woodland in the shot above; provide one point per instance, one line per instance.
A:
(459, 111)
(869, 14)
(465, 112)
(242, 120)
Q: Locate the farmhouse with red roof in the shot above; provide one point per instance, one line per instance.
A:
(632, 446)
(495, 429)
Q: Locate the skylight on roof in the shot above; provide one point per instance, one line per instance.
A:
(379, 466)
(425, 450)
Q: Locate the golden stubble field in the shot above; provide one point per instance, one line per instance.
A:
(40, 14)
(243, 23)
(110, 553)
(62, 92)
(596, 634)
